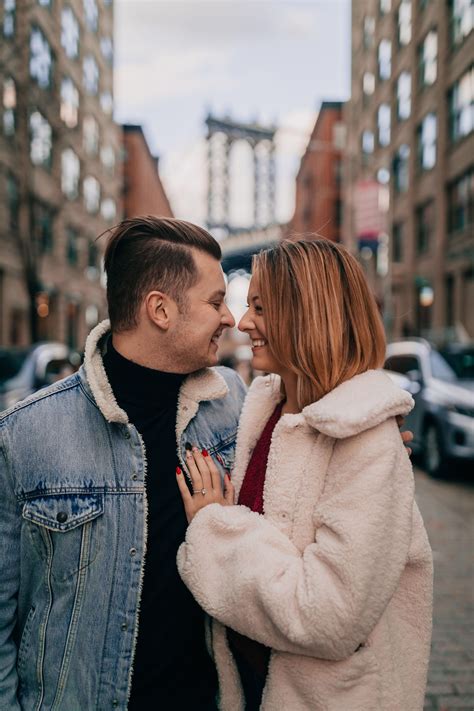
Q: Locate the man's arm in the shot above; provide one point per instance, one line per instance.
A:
(10, 522)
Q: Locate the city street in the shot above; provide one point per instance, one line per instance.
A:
(447, 508)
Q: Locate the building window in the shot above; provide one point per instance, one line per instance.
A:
(369, 29)
(106, 102)
(9, 106)
(13, 201)
(91, 190)
(428, 59)
(44, 3)
(367, 142)
(91, 135)
(92, 259)
(69, 33)
(108, 209)
(70, 173)
(368, 85)
(91, 13)
(72, 246)
(397, 242)
(404, 23)
(41, 60)
(425, 221)
(107, 49)
(461, 203)
(401, 168)
(43, 228)
(338, 208)
(426, 141)
(383, 124)
(40, 140)
(404, 96)
(461, 20)
(461, 106)
(107, 157)
(9, 18)
(91, 75)
(385, 59)
(385, 6)
(69, 102)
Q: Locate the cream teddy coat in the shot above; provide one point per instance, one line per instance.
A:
(336, 576)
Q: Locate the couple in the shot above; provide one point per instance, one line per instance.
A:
(318, 584)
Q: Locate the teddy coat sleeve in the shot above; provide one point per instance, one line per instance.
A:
(325, 600)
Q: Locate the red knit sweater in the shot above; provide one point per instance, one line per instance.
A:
(251, 495)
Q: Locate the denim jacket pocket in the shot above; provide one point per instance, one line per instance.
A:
(224, 453)
(65, 529)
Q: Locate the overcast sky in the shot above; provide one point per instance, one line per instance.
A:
(271, 60)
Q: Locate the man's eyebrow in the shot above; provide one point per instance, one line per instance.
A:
(217, 294)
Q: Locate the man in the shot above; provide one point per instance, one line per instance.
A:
(93, 614)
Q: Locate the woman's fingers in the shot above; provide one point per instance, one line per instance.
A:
(229, 490)
(196, 478)
(185, 493)
(201, 461)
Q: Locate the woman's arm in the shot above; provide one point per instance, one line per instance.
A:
(325, 601)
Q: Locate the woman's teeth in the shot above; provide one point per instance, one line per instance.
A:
(258, 343)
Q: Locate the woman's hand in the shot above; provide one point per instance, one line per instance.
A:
(406, 436)
(206, 483)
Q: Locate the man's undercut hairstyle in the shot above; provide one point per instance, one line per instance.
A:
(150, 253)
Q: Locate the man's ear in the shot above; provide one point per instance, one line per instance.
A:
(159, 309)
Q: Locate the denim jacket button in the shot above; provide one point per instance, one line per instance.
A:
(114, 703)
(61, 517)
(124, 627)
(126, 434)
(132, 551)
(134, 477)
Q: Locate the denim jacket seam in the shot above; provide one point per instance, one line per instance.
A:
(38, 397)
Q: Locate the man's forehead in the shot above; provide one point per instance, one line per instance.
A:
(211, 277)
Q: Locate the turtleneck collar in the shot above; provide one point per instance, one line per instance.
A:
(136, 385)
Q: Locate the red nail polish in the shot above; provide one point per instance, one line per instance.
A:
(205, 453)
(178, 470)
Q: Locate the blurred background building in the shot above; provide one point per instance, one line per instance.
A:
(408, 186)
(67, 171)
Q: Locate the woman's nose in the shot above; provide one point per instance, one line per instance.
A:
(245, 323)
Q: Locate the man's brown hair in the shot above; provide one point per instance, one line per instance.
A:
(150, 253)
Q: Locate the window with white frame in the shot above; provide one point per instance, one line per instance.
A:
(369, 30)
(428, 59)
(69, 33)
(385, 59)
(91, 74)
(9, 7)
(41, 59)
(69, 105)
(91, 191)
(383, 124)
(70, 173)
(91, 13)
(426, 139)
(9, 106)
(404, 23)
(404, 96)
(461, 20)
(41, 143)
(385, 6)
(461, 106)
(106, 102)
(401, 168)
(367, 142)
(107, 49)
(90, 129)
(108, 209)
(107, 157)
(368, 83)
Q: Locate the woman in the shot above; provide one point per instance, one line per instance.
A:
(320, 581)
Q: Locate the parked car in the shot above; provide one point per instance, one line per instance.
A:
(442, 385)
(25, 370)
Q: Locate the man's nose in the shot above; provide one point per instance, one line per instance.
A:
(227, 318)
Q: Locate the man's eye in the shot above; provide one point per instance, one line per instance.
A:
(217, 304)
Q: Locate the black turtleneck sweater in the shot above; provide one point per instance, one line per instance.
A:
(172, 668)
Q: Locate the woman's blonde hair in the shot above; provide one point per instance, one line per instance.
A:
(321, 319)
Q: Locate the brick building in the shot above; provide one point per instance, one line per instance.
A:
(60, 181)
(143, 192)
(318, 182)
(410, 125)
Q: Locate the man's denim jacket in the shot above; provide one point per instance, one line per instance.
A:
(73, 531)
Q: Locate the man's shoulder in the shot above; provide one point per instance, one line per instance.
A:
(233, 381)
(43, 399)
